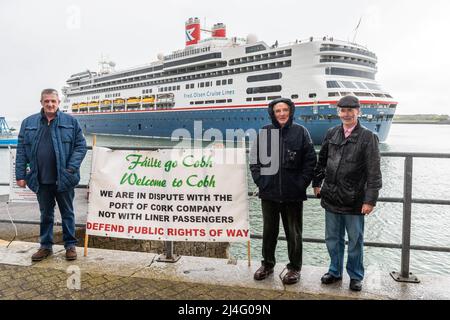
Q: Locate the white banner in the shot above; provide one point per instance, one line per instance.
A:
(16, 193)
(173, 195)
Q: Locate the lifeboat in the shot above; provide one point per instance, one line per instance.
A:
(119, 103)
(93, 106)
(106, 103)
(83, 106)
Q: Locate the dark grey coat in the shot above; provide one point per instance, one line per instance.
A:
(350, 169)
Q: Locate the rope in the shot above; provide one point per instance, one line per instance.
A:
(12, 222)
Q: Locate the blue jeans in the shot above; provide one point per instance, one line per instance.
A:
(335, 226)
(46, 197)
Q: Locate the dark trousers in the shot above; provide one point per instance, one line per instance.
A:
(292, 217)
(46, 197)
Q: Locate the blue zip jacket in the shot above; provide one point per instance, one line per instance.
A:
(70, 150)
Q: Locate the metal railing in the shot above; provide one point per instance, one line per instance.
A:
(407, 200)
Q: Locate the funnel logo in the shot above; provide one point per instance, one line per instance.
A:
(189, 34)
(192, 34)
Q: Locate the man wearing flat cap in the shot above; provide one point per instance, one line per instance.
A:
(349, 167)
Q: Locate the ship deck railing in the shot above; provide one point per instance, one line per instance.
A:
(404, 275)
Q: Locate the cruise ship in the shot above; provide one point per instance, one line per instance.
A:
(227, 83)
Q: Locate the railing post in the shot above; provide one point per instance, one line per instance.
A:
(168, 255)
(405, 275)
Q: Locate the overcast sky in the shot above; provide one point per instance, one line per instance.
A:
(43, 42)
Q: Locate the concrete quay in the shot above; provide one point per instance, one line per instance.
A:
(126, 275)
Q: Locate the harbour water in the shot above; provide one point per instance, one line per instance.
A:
(430, 223)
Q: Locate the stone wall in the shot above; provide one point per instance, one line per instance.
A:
(198, 249)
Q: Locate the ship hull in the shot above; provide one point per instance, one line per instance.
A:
(195, 123)
(8, 141)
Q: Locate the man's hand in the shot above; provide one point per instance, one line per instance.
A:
(367, 209)
(317, 192)
(21, 183)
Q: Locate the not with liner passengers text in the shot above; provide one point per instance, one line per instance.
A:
(165, 218)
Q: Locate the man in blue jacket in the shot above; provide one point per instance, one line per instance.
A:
(50, 150)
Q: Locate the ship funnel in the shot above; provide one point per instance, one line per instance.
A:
(219, 30)
(192, 31)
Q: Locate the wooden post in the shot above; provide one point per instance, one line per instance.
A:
(86, 236)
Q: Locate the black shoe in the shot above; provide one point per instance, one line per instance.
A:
(355, 285)
(262, 273)
(329, 279)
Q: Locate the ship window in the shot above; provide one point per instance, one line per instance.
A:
(259, 98)
(199, 102)
(333, 94)
(192, 102)
(266, 89)
(209, 101)
(192, 85)
(372, 86)
(348, 84)
(230, 81)
(229, 100)
(273, 97)
(333, 84)
(202, 84)
(249, 99)
(388, 96)
(218, 83)
(224, 82)
(360, 85)
(264, 77)
(208, 56)
(349, 73)
(255, 48)
(312, 95)
(207, 84)
(139, 126)
(362, 94)
(294, 96)
(187, 86)
(221, 101)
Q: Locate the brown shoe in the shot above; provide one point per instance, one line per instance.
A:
(291, 277)
(41, 254)
(71, 254)
(262, 273)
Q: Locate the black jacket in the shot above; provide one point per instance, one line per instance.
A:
(296, 157)
(350, 168)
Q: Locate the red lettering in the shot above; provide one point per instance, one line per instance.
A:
(104, 227)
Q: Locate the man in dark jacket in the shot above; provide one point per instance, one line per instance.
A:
(282, 164)
(349, 162)
(51, 145)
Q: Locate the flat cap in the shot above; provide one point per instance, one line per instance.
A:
(349, 102)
